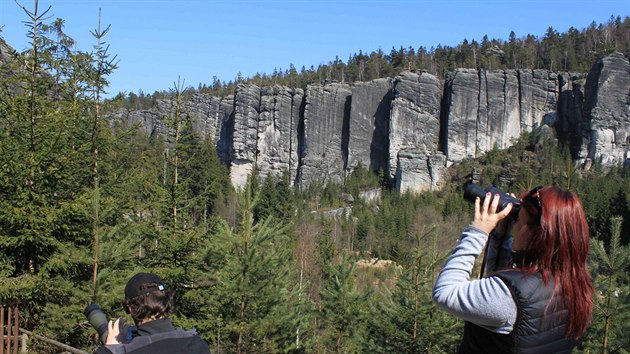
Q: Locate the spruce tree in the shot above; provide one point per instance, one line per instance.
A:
(42, 224)
(343, 309)
(253, 296)
(103, 67)
(612, 300)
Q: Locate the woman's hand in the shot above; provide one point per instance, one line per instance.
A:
(486, 216)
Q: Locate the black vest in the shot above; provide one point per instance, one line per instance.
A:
(540, 324)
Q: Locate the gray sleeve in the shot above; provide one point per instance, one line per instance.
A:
(486, 302)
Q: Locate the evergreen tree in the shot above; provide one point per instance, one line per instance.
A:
(42, 221)
(610, 323)
(254, 295)
(98, 83)
(409, 322)
(343, 310)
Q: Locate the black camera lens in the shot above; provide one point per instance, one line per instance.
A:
(471, 191)
(97, 319)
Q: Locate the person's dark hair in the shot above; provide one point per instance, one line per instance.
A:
(558, 248)
(151, 305)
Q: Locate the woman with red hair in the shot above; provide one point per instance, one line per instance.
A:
(537, 297)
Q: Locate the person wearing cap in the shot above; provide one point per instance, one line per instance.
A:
(149, 303)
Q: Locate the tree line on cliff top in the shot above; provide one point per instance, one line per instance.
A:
(84, 205)
(574, 51)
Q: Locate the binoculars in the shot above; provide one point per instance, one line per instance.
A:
(471, 191)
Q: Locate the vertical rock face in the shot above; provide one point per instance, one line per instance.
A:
(223, 124)
(368, 128)
(460, 123)
(148, 121)
(498, 120)
(607, 108)
(5, 52)
(418, 171)
(277, 135)
(326, 116)
(200, 109)
(412, 126)
(488, 109)
(415, 118)
(210, 117)
(539, 97)
(245, 133)
(570, 123)
(297, 136)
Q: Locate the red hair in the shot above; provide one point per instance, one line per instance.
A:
(558, 248)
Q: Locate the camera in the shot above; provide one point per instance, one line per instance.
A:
(471, 191)
(97, 319)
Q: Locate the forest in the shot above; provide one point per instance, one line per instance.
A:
(85, 203)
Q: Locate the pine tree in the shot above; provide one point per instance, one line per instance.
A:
(343, 309)
(42, 221)
(104, 66)
(409, 322)
(612, 302)
(253, 291)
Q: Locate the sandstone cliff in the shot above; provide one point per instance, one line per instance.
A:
(607, 110)
(412, 126)
(324, 146)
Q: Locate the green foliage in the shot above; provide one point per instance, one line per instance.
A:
(343, 310)
(254, 284)
(612, 302)
(409, 322)
(78, 195)
(276, 199)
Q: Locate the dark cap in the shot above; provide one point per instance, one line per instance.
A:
(135, 286)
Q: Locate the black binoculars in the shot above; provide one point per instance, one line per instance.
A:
(471, 191)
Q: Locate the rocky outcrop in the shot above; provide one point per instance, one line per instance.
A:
(245, 133)
(539, 97)
(149, 122)
(491, 109)
(368, 128)
(324, 148)
(211, 117)
(222, 127)
(418, 171)
(415, 123)
(5, 52)
(570, 119)
(412, 127)
(607, 110)
(460, 117)
(208, 115)
(277, 132)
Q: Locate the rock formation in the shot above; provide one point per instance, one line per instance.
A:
(414, 130)
(277, 132)
(368, 128)
(324, 147)
(488, 109)
(607, 110)
(410, 127)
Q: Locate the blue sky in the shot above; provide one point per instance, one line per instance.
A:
(159, 41)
